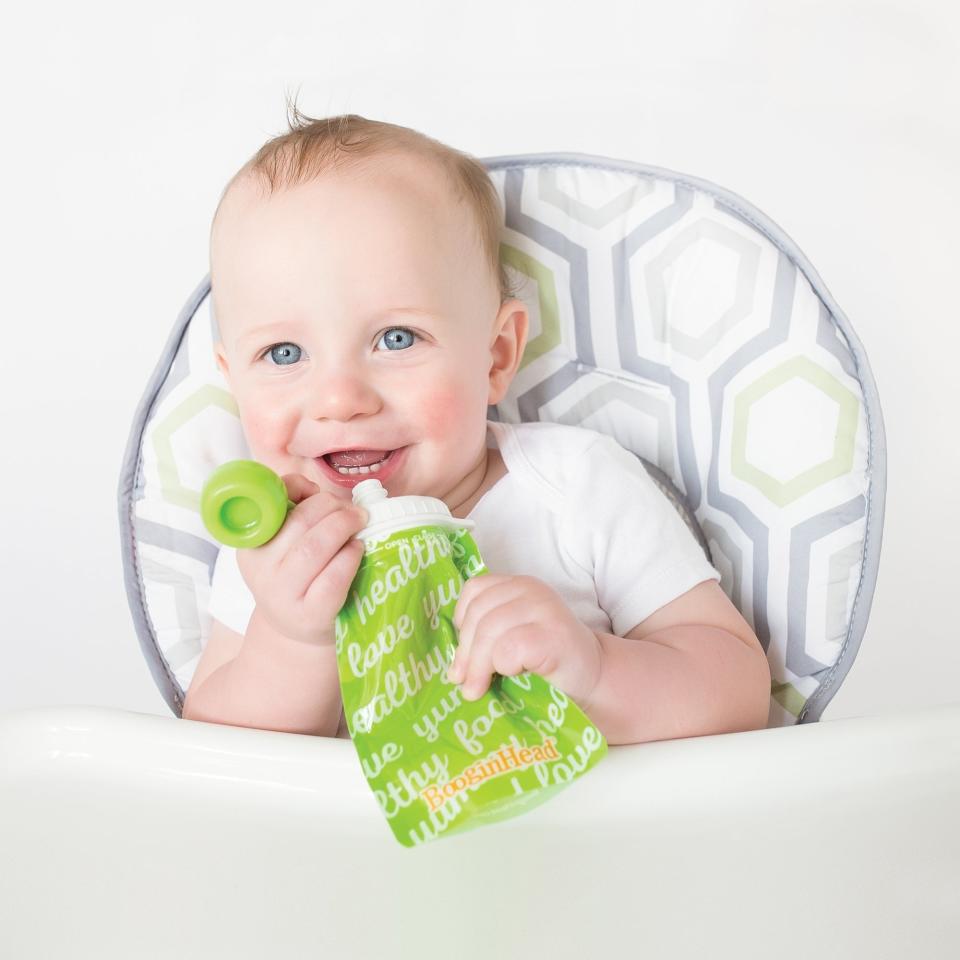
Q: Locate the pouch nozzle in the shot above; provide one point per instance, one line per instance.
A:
(389, 514)
(368, 491)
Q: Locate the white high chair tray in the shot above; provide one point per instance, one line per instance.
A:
(129, 835)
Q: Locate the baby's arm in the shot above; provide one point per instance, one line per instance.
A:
(693, 668)
(283, 674)
(265, 680)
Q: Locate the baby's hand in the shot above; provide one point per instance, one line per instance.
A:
(509, 625)
(300, 578)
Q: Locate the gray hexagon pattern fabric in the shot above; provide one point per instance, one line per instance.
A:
(665, 312)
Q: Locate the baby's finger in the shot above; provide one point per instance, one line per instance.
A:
(337, 576)
(494, 645)
(305, 515)
(478, 597)
(477, 585)
(298, 486)
(316, 547)
(470, 593)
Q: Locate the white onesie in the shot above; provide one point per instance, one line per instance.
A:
(574, 509)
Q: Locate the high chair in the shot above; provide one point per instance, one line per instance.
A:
(676, 317)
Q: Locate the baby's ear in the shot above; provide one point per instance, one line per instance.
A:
(506, 351)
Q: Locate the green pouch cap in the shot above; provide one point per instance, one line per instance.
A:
(439, 764)
(244, 503)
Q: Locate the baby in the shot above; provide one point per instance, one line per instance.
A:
(365, 327)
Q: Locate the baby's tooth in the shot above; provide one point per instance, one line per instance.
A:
(372, 468)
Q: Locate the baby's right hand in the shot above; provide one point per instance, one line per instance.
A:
(300, 578)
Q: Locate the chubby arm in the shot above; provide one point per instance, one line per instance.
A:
(265, 680)
(692, 668)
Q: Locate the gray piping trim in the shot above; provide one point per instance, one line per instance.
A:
(164, 679)
(877, 448)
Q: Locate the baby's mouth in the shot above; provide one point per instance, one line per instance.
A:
(348, 462)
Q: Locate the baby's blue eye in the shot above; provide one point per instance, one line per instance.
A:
(284, 354)
(398, 338)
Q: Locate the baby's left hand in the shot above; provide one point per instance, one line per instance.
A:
(509, 625)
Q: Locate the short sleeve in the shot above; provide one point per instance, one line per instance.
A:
(231, 601)
(620, 526)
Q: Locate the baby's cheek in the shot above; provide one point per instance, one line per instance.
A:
(448, 408)
(267, 431)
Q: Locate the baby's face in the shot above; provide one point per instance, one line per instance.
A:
(357, 311)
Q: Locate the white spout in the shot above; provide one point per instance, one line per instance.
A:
(368, 491)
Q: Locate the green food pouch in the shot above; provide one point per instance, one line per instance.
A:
(439, 764)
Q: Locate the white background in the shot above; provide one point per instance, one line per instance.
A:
(123, 122)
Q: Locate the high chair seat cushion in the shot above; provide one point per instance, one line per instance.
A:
(665, 312)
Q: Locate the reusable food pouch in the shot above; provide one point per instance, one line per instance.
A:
(439, 764)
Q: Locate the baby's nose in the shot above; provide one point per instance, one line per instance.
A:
(342, 395)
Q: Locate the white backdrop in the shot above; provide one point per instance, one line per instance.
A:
(123, 122)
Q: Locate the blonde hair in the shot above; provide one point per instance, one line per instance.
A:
(314, 145)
